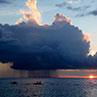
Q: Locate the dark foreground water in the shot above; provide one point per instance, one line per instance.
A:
(51, 87)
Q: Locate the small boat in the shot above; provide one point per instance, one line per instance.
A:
(38, 83)
(15, 83)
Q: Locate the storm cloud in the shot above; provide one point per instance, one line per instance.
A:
(31, 45)
(56, 46)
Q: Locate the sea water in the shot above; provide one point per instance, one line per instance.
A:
(50, 87)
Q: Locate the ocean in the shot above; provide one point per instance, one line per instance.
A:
(49, 87)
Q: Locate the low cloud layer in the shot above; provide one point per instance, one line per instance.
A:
(30, 45)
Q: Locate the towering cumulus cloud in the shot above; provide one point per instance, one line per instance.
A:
(29, 45)
(33, 15)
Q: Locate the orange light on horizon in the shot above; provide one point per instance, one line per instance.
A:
(91, 77)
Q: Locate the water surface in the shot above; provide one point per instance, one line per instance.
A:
(51, 87)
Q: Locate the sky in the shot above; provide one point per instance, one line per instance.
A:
(7, 72)
(48, 35)
(83, 14)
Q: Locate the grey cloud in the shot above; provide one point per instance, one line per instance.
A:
(94, 12)
(61, 4)
(69, 7)
(4, 2)
(80, 15)
(81, 10)
(78, 8)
